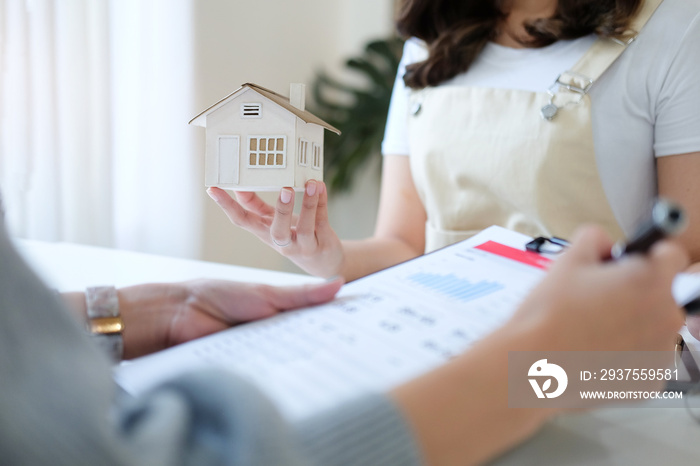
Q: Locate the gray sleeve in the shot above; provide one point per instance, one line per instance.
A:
(216, 418)
(60, 405)
(370, 430)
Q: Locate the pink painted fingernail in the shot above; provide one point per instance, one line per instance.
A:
(311, 188)
(285, 196)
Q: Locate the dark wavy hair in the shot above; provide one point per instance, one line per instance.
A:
(456, 31)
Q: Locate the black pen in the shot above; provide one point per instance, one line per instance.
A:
(667, 219)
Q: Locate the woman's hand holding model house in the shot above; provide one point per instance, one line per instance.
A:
(310, 242)
(307, 238)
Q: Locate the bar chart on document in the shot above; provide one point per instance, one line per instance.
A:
(455, 287)
(381, 330)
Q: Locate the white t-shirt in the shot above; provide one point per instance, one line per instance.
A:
(646, 105)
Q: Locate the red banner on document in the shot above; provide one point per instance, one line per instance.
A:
(525, 257)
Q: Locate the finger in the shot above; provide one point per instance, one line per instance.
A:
(323, 226)
(281, 228)
(293, 297)
(237, 214)
(590, 244)
(667, 261)
(669, 257)
(254, 203)
(306, 232)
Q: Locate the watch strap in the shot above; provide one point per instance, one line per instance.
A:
(104, 321)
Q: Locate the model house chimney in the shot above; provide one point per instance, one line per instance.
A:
(297, 95)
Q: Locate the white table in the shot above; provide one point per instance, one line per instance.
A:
(613, 436)
(72, 267)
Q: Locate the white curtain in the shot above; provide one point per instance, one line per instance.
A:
(95, 96)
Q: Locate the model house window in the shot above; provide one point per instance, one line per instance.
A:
(251, 110)
(318, 158)
(267, 151)
(303, 152)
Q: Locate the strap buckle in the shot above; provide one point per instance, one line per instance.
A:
(550, 110)
(570, 85)
(624, 43)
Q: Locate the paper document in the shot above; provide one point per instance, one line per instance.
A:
(381, 331)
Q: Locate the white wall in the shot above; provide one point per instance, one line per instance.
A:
(273, 43)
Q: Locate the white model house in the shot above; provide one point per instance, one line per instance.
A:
(258, 140)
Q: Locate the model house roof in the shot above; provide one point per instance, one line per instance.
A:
(306, 116)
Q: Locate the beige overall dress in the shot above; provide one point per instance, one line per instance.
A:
(519, 159)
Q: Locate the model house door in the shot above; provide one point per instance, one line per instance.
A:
(229, 156)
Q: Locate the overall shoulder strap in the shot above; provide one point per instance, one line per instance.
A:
(605, 51)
